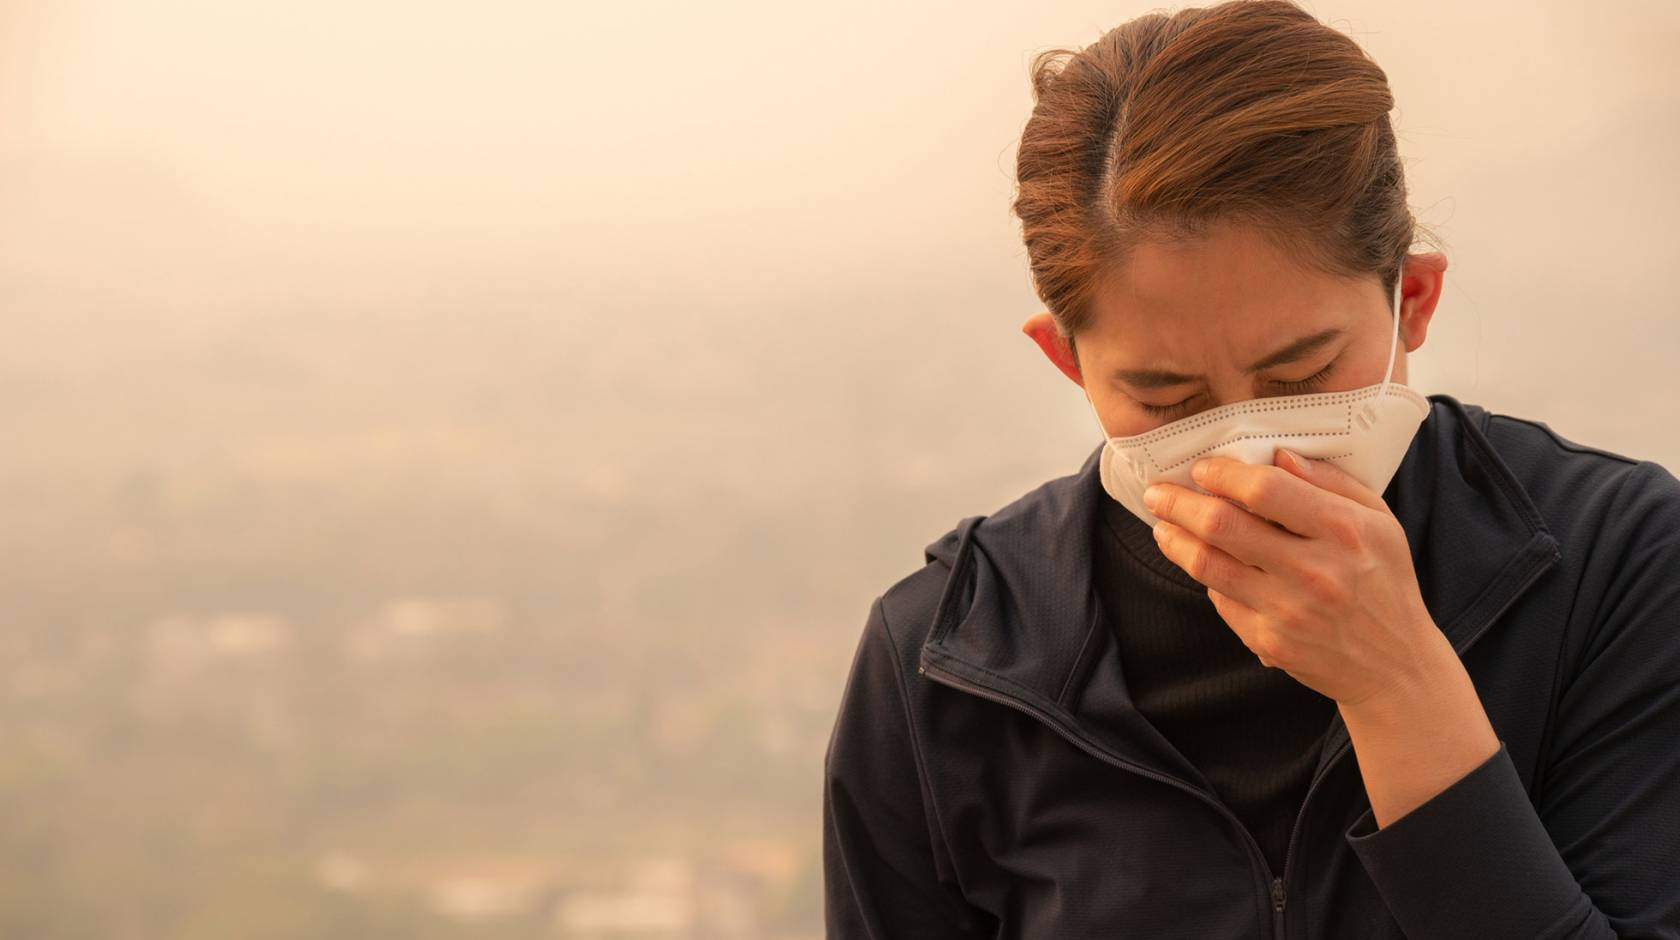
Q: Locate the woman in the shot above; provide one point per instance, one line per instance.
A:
(1393, 666)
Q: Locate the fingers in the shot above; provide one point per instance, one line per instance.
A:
(1240, 533)
(1326, 475)
(1284, 496)
(1209, 564)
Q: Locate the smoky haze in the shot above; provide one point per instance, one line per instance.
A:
(450, 449)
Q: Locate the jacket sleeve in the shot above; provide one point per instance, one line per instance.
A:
(880, 877)
(1597, 854)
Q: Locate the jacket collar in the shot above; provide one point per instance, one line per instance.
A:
(1019, 614)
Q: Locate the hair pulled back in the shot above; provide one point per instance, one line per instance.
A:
(1249, 111)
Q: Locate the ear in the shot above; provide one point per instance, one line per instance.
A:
(1042, 328)
(1420, 291)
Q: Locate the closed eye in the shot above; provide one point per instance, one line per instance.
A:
(1290, 387)
(1311, 381)
(1161, 411)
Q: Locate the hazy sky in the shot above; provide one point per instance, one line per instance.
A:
(726, 188)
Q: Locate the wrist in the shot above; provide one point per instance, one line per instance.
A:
(1432, 673)
(1432, 707)
(1420, 734)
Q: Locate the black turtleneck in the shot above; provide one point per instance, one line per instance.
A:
(1253, 732)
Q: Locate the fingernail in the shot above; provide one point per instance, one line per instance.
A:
(1160, 531)
(1198, 471)
(1152, 497)
(1292, 458)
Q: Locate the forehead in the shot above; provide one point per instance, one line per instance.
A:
(1231, 290)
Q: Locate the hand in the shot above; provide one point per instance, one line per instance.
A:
(1315, 575)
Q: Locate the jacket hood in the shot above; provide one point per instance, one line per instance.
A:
(1019, 614)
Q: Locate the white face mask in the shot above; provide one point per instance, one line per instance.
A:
(1365, 432)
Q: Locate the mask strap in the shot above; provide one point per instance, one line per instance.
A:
(1094, 414)
(1394, 339)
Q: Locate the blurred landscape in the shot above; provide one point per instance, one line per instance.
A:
(324, 622)
(447, 454)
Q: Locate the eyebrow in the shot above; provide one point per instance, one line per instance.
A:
(1299, 349)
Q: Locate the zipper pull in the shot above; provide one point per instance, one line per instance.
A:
(1277, 894)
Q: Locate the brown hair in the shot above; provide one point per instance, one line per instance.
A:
(1250, 111)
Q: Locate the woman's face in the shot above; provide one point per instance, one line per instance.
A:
(1195, 325)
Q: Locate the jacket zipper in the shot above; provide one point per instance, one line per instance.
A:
(1278, 894)
(1101, 753)
(1277, 904)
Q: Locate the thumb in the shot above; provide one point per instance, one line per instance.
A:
(1326, 475)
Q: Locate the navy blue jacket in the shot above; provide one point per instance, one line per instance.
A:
(987, 775)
